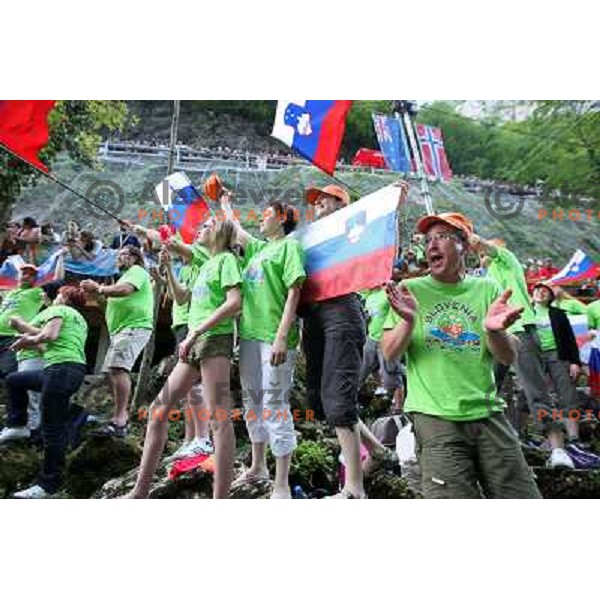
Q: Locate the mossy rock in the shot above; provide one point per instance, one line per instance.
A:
(97, 460)
(567, 483)
(19, 465)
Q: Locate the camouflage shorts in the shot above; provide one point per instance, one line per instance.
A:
(124, 349)
(210, 347)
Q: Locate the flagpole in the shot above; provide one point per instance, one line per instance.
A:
(403, 115)
(62, 184)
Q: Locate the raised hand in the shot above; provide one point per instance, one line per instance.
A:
(401, 300)
(501, 314)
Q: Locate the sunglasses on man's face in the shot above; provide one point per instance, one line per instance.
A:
(440, 237)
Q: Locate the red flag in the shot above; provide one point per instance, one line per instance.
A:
(435, 162)
(24, 128)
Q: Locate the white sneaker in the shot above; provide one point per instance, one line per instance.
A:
(181, 451)
(35, 492)
(560, 459)
(10, 434)
(380, 391)
(199, 446)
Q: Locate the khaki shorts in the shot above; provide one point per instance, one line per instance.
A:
(210, 347)
(124, 349)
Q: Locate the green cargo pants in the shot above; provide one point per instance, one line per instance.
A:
(465, 459)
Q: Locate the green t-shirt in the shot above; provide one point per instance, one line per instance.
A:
(135, 311)
(22, 302)
(70, 344)
(377, 308)
(187, 277)
(216, 276)
(30, 353)
(572, 306)
(593, 315)
(449, 366)
(544, 328)
(506, 270)
(271, 269)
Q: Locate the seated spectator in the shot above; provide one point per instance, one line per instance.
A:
(125, 238)
(547, 269)
(11, 244)
(30, 234)
(72, 234)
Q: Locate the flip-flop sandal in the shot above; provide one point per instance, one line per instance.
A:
(248, 479)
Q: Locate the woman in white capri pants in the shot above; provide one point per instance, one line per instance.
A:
(271, 281)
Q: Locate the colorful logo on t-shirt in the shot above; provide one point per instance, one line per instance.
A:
(449, 326)
(254, 274)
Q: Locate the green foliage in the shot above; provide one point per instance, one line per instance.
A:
(313, 466)
(77, 127)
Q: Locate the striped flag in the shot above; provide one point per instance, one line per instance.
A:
(187, 209)
(352, 249)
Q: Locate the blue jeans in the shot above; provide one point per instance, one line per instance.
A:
(57, 383)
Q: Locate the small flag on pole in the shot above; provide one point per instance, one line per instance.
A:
(313, 128)
(187, 209)
(24, 128)
(392, 141)
(435, 162)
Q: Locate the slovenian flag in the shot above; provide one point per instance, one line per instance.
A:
(579, 268)
(352, 249)
(187, 209)
(24, 128)
(313, 128)
(10, 271)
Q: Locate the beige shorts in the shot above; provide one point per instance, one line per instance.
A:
(124, 349)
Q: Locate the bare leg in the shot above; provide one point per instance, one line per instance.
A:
(121, 386)
(349, 439)
(197, 407)
(215, 376)
(259, 462)
(281, 486)
(176, 388)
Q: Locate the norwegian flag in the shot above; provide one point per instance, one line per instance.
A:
(433, 152)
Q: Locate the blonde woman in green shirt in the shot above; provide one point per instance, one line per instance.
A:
(272, 280)
(206, 351)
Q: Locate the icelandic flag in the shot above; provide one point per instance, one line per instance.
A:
(435, 161)
(580, 267)
(392, 141)
(352, 249)
(186, 207)
(313, 128)
(24, 128)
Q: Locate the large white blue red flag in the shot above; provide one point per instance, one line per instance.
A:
(579, 268)
(11, 268)
(313, 128)
(435, 161)
(186, 207)
(352, 249)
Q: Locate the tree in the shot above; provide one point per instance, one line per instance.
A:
(76, 127)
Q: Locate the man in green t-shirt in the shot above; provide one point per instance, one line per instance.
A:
(130, 319)
(451, 327)
(24, 302)
(505, 268)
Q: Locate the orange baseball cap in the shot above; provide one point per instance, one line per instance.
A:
(337, 191)
(455, 220)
